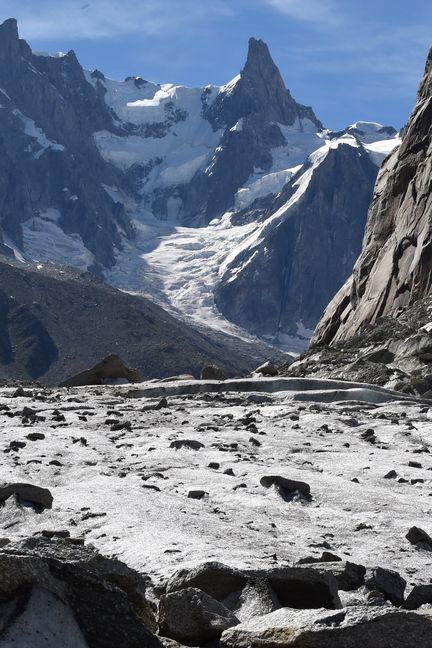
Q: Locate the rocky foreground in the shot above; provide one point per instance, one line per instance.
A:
(255, 512)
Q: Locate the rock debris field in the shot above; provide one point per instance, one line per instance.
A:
(256, 474)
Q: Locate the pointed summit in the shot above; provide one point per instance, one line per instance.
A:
(259, 90)
(9, 40)
(258, 54)
(9, 28)
(264, 84)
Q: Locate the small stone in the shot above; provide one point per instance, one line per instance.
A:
(197, 494)
(35, 436)
(63, 533)
(287, 488)
(419, 538)
(191, 444)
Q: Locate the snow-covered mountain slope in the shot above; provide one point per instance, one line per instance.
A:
(167, 190)
(184, 267)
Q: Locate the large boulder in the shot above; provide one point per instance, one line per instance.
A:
(302, 587)
(212, 372)
(39, 498)
(216, 579)
(389, 583)
(110, 370)
(419, 595)
(193, 617)
(355, 627)
(72, 595)
(267, 369)
(349, 576)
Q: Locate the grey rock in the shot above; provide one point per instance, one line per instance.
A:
(292, 274)
(419, 538)
(260, 91)
(193, 617)
(419, 595)
(191, 444)
(287, 488)
(108, 370)
(378, 627)
(40, 498)
(389, 583)
(54, 93)
(216, 579)
(267, 369)
(302, 587)
(393, 270)
(105, 598)
(212, 372)
(255, 599)
(196, 494)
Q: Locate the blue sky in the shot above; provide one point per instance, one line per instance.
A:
(349, 59)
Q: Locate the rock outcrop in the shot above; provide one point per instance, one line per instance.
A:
(55, 591)
(350, 628)
(394, 269)
(260, 91)
(282, 280)
(51, 172)
(109, 370)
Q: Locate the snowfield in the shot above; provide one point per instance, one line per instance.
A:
(108, 456)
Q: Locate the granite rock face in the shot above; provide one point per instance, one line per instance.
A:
(394, 269)
(249, 111)
(260, 90)
(350, 628)
(300, 258)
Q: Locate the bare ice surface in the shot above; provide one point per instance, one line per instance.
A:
(126, 490)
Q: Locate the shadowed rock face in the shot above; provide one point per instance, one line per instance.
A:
(49, 159)
(95, 601)
(50, 328)
(294, 269)
(24, 340)
(260, 99)
(395, 267)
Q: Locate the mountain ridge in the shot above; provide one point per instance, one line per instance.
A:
(126, 170)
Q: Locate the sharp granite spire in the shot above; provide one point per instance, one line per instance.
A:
(259, 90)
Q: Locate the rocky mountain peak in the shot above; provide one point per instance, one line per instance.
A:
(9, 41)
(9, 30)
(260, 92)
(262, 81)
(260, 63)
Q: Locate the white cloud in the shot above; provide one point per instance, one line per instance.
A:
(95, 19)
(317, 11)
